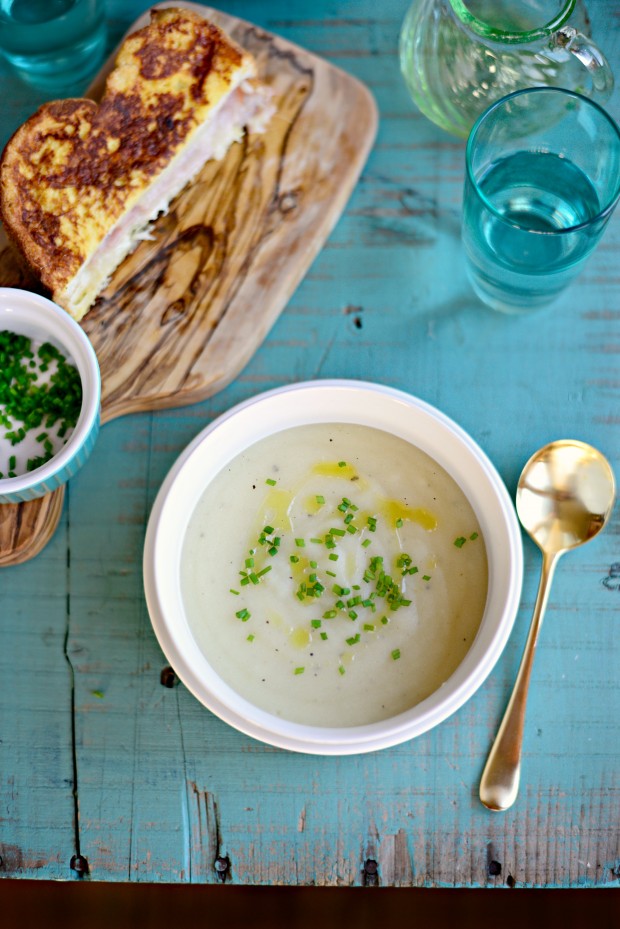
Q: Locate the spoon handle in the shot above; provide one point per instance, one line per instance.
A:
(499, 784)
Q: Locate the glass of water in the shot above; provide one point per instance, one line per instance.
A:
(542, 180)
(54, 45)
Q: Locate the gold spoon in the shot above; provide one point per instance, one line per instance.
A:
(564, 497)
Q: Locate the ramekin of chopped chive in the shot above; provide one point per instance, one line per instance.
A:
(50, 396)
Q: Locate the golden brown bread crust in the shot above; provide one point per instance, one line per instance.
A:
(76, 166)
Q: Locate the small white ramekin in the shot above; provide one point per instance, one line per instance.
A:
(329, 402)
(41, 320)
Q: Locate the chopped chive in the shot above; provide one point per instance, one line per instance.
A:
(333, 557)
(368, 627)
(264, 571)
(299, 670)
(243, 615)
(273, 550)
(320, 500)
(396, 654)
(331, 573)
(341, 669)
(473, 536)
(271, 482)
(300, 543)
(338, 532)
(294, 559)
(250, 638)
(249, 562)
(460, 541)
(329, 614)
(352, 614)
(353, 640)
(426, 577)
(366, 543)
(342, 464)
(267, 530)
(398, 523)
(315, 623)
(235, 592)
(384, 620)
(323, 635)
(317, 541)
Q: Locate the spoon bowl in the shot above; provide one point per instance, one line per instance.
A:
(565, 496)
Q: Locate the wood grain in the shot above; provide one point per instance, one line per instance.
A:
(186, 311)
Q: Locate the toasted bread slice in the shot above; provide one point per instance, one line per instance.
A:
(81, 181)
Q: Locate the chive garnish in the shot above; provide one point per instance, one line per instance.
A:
(396, 654)
(300, 543)
(460, 541)
(243, 615)
(320, 500)
(271, 482)
(342, 464)
(299, 670)
(315, 623)
(26, 404)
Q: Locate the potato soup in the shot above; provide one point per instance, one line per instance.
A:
(334, 575)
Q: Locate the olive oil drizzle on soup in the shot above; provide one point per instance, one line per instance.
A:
(334, 575)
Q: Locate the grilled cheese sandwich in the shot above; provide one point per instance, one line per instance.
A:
(80, 182)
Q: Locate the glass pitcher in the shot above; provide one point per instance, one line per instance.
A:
(459, 56)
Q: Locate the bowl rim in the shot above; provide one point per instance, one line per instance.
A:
(162, 587)
(67, 334)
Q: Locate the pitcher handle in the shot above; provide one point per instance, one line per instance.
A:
(591, 57)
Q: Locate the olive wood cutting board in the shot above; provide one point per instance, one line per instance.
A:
(187, 310)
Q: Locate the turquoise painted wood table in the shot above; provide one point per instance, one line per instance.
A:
(111, 770)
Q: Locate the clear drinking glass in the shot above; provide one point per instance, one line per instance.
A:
(54, 45)
(542, 180)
